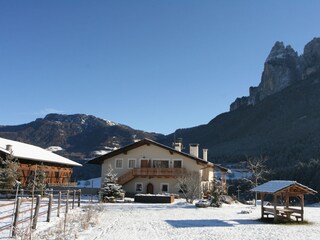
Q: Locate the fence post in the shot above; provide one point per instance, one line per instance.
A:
(16, 217)
(49, 207)
(79, 197)
(36, 212)
(73, 198)
(67, 202)
(59, 204)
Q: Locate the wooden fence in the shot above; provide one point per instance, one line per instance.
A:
(35, 207)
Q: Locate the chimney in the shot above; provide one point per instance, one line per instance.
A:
(194, 149)
(9, 148)
(178, 144)
(205, 154)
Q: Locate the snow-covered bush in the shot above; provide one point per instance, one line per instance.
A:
(111, 190)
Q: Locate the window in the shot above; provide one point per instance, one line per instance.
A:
(177, 164)
(164, 187)
(118, 163)
(160, 163)
(132, 163)
(139, 187)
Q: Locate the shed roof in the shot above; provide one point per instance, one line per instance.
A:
(31, 152)
(277, 186)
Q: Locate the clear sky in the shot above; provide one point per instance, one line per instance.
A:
(155, 65)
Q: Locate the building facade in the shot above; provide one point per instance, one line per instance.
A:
(150, 167)
(58, 169)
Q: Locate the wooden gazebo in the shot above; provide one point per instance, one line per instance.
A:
(287, 190)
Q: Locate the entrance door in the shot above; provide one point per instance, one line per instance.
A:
(150, 188)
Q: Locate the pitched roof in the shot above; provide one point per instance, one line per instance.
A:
(146, 141)
(31, 152)
(276, 186)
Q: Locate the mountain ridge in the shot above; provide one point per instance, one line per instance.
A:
(280, 120)
(76, 136)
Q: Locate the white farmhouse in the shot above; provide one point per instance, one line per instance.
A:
(150, 167)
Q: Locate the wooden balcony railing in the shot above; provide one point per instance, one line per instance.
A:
(163, 172)
(150, 172)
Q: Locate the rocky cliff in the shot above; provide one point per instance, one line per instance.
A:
(282, 68)
(279, 120)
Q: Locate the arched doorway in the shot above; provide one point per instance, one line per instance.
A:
(150, 188)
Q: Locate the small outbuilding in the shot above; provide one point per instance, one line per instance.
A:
(285, 190)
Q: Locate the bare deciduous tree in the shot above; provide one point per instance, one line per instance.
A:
(190, 185)
(256, 165)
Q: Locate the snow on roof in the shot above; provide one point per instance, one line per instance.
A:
(31, 152)
(278, 185)
(146, 141)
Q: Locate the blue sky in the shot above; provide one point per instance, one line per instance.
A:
(153, 65)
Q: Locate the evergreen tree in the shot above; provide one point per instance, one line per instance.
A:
(9, 172)
(37, 180)
(111, 189)
(215, 195)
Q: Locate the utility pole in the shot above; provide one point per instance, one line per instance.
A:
(238, 190)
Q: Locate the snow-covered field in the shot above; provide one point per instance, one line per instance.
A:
(184, 221)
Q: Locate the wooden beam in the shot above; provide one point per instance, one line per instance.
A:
(302, 206)
(262, 199)
(275, 198)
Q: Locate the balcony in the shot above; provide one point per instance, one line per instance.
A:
(162, 172)
(150, 172)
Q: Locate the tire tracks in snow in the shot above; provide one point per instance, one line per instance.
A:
(111, 226)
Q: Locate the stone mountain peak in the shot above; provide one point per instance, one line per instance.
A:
(282, 67)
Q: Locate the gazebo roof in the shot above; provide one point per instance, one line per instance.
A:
(277, 186)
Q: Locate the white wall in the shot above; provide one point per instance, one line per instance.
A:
(151, 152)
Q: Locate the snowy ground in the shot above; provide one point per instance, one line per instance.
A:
(182, 221)
(43, 225)
(171, 221)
